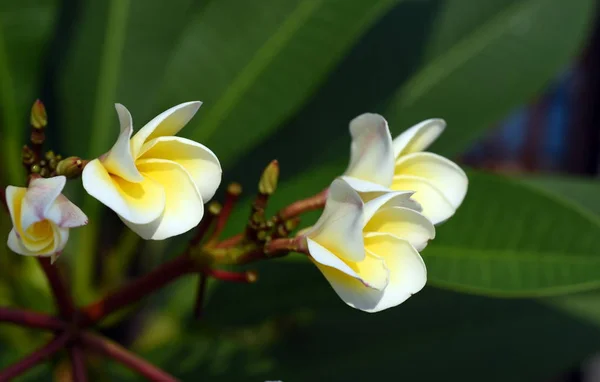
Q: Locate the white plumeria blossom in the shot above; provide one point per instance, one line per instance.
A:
(369, 252)
(156, 182)
(379, 163)
(41, 217)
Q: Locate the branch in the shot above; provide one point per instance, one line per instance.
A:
(137, 289)
(315, 202)
(79, 370)
(200, 294)
(62, 296)
(35, 358)
(124, 356)
(31, 319)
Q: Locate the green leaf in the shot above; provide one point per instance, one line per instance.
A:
(253, 64)
(486, 60)
(292, 326)
(25, 28)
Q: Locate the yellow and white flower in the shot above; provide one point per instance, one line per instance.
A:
(369, 252)
(157, 183)
(379, 164)
(41, 217)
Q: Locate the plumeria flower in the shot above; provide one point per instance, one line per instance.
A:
(157, 183)
(378, 164)
(369, 251)
(41, 217)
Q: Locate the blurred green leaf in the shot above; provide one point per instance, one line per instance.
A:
(25, 33)
(485, 59)
(292, 326)
(253, 71)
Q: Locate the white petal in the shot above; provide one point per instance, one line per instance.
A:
(323, 256)
(61, 239)
(418, 137)
(39, 198)
(66, 214)
(184, 207)
(436, 207)
(408, 274)
(14, 201)
(15, 245)
(201, 163)
(444, 174)
(165, 124)
(339, 229)
(403, 223)
(138, 203)
(351, 290)
(119, 160)
(388, 199)
(371, 152)
(361, 186)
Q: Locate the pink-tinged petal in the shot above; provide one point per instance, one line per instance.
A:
(183, 204)
(388, 199)
(138, 203)
(200, 162)
(444, 174)
(165, 124)
(39, 198)
(404, 223)
(418, 137)
(371, 151)
(436, 207)
(119, 160)
(66, 214)
(339, 229)
(408, 274)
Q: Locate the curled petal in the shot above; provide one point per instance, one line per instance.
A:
(388, 199)
(372, 154)
(138, 203)
(201, 163)
(15, 244)
(408, 274)
(404, 223)
(14, 200)
(418, 137)
(339, 229)
(39, 198)
(66, 214)
(362, 186)
(183, 204)
(119, 160)
(167, 123)
(444, 174)
(436, 207)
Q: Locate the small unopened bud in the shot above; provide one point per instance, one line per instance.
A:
(39, 118)
(251, 276)
(27, 155)
(35, 169)
(268, 180)
(214, 208)
(234, 189)
(70, 167)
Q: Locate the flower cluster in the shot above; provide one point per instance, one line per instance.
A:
(377, 216)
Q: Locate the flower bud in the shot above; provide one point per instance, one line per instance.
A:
(39, 118)
(70, 167)
(268, 181)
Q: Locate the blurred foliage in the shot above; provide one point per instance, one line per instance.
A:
(281, 79)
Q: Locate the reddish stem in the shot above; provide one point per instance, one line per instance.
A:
(230, 241)
(35, 358)
(282, 246)
(63, 298)
(124, 356)
(200, 295)
(233, 193)
(202, 229)
(77, 356)
(137, 289)
(315, 202)
(239, 277)
(31, 319)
